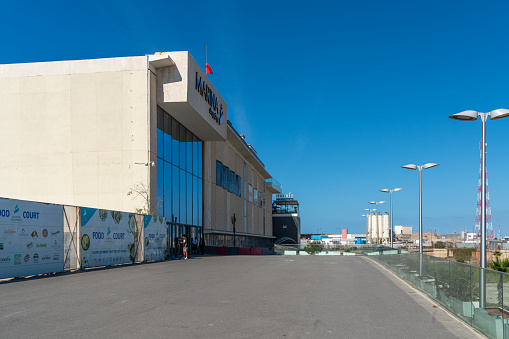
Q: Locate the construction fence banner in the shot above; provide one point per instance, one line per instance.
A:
(107, 237)
(155, 237)
(31, 238)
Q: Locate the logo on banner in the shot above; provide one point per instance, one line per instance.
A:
(1, 245)
(16, 209)
(9, 231)
(55, 233)
(5, 260)
(56, 256)
(16, 218)
(41, 245)
(44, 233)
(36, 257)
(27, 257)
(45, 258)
(23, 233)
(17, 259)
(34, 234)
(30, 245)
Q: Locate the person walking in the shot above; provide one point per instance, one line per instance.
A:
(195, 246)
(185, 246)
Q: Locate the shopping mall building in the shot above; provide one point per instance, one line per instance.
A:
(146, 133)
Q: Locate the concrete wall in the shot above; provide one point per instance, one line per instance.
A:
(217, 214)
(72, 131)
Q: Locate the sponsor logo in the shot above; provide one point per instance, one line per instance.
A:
(17, 259)
(97, 235)
(30, 245)
(9, 231)
(54, 245)
(36, 257)
(41, 245)
(27, 257)
(45, 258)
(23, 233)
(109, 231)
(55, 233)
(16, 209)
(118, 235)
(31, 215)
(1, 245)
(56, 256)
(34, 234)
(5, 260)
(44, 233)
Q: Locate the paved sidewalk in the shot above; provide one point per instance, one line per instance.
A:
(224, 297)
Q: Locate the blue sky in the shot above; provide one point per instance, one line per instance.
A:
(334, 95)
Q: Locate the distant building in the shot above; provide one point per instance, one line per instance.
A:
(402, 233)
(286, 219)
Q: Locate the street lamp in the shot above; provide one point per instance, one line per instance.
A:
(471, 116)
(420, 168)
(390, 191)
(377, 225)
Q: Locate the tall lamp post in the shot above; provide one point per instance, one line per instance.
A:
(420, 168)
(377, 224)
(471, 116)
(390, 191)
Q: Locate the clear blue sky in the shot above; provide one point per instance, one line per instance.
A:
(334, 95)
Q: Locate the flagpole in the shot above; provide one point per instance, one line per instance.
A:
(206, 54)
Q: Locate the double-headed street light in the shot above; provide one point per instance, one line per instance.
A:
(390, 191)
(376, 218)
(420, 168)
(471, 116)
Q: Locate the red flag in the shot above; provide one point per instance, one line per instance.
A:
(209, 70)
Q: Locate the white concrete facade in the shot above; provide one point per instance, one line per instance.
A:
(83, 133)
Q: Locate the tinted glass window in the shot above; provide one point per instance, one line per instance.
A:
(175, 143)
(160, 186)
(183, 214)
(182, 138)
(167, 189)
(200, 157)
(189, 198)
(200, 204)
(160, 133)
(196, 205)
(195, 155)
(175, 193)
(189, 151)
(167, 137)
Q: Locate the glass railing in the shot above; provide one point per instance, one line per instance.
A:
(457, 287)
(275, 182)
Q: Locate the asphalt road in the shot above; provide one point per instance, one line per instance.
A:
(225, 297)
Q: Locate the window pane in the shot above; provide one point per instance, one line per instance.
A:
(183, 215)
(160, 187)
(189, 151)
(200, 157)
(196, 206)
(189, 198)
(175, 129)
(160, 133)
(200, 206)
(175, 197)
(167, 137)
(167, 189)
(182, 138)
(195, 155)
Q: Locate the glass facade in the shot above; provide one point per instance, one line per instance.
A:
(179, 172)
